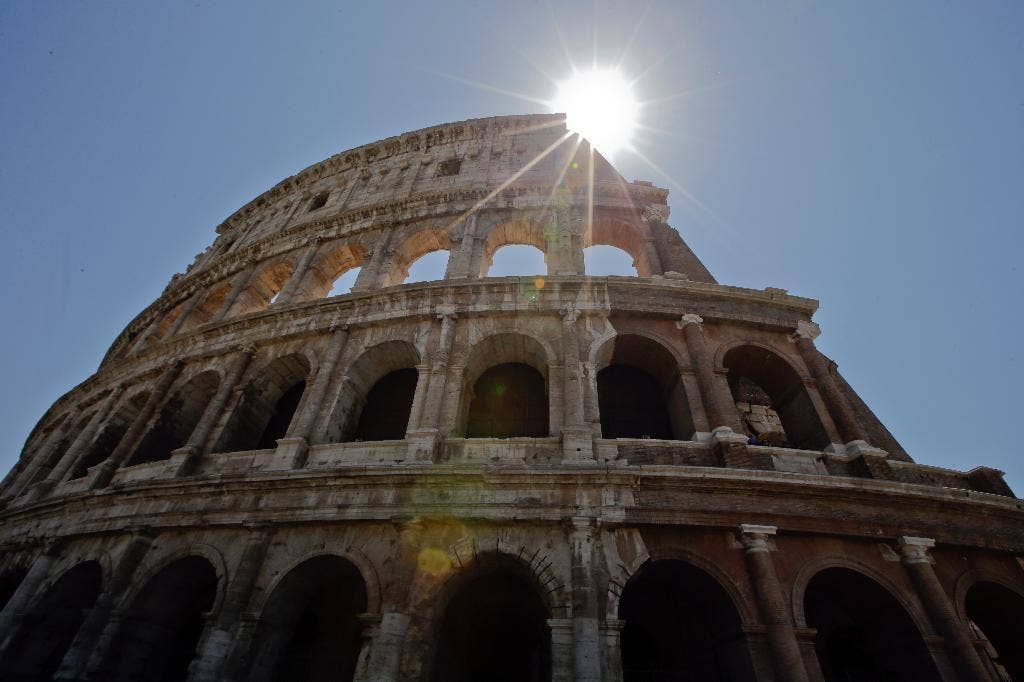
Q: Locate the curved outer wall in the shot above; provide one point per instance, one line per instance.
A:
(163, 455)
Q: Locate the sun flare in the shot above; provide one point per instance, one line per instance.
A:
(600, 106)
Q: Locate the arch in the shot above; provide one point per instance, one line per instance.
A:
(158, 636)
(67, 439)
(640, 392)
(602, 260)
(111, 434)
(863, 631)
(992, 609)
(52, 622)
(264, 285)
(412, 248)
(490, 622)
(163, 325)
(10, 579)
(681, 623)
(267, 405)
(178, 417)
(771, 398)
(516, 232)
(331, 263)
(371, 367)
(517, 260)
(624, 236)
(309, 627)
(211, 303)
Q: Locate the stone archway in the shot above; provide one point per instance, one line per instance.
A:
(863, 632)
(681, 625)
(309, 627)
(994, 612)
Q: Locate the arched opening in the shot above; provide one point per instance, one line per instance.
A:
(267, 406)
(639, 391)
(52, 623)
(376, 396)
(388, 405)
(863, 633)
(157, 638)
(164, 324)
(517, 260)
(508, 400)
(772, 400)
(9, 582)
(421, 257)
(67, 439)
(681, 624)
(309, 628)
(263, 288)
(494, 627)
(205, 311)
(428, 267)
(995, 613)
(331, 273)
(602, 260)
(177, 419)
(111, 434)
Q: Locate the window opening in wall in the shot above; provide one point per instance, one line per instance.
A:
(344, 283)
(449, 167)
(508, 400)
(281, 418)
(428, 268)
(319, 201)
(517, 260)
(602, 260)
(177, 419)
(388, 405)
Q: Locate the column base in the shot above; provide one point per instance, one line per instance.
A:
(184, 461)
(423, 445)
(291, 453)
(577, 445)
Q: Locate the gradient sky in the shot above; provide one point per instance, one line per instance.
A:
(867, 154)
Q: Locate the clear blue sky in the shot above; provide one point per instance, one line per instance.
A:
(867, 154)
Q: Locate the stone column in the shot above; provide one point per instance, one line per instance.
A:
(370, 628)
(190, 305)
(651, 254)
(715, 393)
(460, 259)
(694, 401)
(385, 654)
(15, 610)
(40, 464)
(288, 291)
(424, 420)
(302, 426)
(561, 649)
(131, 437)
(77, 447)
(585, 638)
(369, 275)
(611, 661)
(215, 646)
(577, 436)
(914, 556)
(838, 407)
(192, 452)
(771, 602)
(79, 653)
(238, 285)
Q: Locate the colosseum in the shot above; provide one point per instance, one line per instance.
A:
(546, 477)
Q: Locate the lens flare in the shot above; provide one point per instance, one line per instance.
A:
(600, 106)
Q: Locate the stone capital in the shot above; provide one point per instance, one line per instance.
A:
(807, 330)
(914, 550)
(687, 319)
(754, 538)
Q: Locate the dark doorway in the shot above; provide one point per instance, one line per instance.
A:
(309, 628)
(681, 626)
(864, 634)
(157, 639)
(508, 400)
(52, 623)
(995, 612)
(631, 404)
(494, 628)
(385, 415)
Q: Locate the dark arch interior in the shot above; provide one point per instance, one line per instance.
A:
(996, 611)
(385, 415)
(508, 400)
(281, 416)
(681, 626)
(9, 582)
(494, 628)
(110, 436)
(178, 417)
(309, 628)
(863, 632)
(158, 637)
(757, 374)
(631, 404)
(51, 624)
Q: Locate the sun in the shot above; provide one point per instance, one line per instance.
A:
(599, 105)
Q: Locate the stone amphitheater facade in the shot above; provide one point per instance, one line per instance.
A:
(553, 477)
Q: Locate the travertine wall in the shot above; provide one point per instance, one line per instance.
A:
(144, 468)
